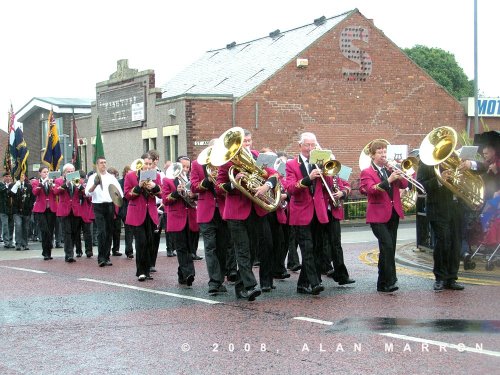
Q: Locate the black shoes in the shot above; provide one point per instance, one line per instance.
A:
(214, 290)
(253, 293)
(89, 254)
(142, 278)
(71, 260)
(130, 256)
(317, 289)
(232, 277)
(108, 263)
(196, 257)
(346, 281)
(304, 290)
(117, 254)
(240, 293)
(189, 280)
(171, 253)
(266, 288)
(78, 255)
(388, 289)
(453, 285)
(102, 264)
(281, 276)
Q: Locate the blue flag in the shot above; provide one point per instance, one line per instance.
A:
(52, 155)
(20, 154)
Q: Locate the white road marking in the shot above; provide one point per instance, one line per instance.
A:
(459, 347)
(24, 269)
(305, 319)
(151, 291)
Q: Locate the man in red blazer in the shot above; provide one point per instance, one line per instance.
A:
(181, 221)
(142, 215)
(213, 228)
(308, 212)
(244, 218)
(383, 211)
(341, 189)
(45, 209)
(70, 193)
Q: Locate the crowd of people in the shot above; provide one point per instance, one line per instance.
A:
(239, 230)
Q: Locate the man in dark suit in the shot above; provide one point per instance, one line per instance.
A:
(308, 213)
(383, 212)
(445, 215)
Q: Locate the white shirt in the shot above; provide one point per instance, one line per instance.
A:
(101, 193)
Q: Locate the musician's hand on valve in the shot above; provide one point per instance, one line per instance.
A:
(466, 164)
(447, 174)
(315, 173)
(262, 190)
(338, 194)
(239, 176)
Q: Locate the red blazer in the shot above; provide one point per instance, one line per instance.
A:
(207, 202)
(237, 205)
(42, 197)
(345, 187)
(379, 209)
(178, 213)
(67, 203)
(87, 210)
(303, 204)
(138, 204)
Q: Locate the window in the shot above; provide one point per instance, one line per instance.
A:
(171, 147)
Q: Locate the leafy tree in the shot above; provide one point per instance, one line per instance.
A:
(443, 67)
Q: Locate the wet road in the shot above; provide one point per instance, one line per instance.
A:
(61, 318)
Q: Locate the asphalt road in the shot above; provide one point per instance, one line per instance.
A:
(61, 318)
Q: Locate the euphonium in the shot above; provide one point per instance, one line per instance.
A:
(228, 147)
(204, 159)
(438, 150)
(137, 165)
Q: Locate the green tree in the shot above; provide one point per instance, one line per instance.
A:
(443, 67)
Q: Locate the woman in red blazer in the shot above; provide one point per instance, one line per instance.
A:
(142, 215)
(45, 209)
(383, 211)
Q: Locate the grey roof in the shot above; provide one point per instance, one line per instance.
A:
(238, 69)
(59, 105)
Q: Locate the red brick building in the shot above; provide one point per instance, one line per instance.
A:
(340, 78)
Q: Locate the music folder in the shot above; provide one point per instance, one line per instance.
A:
(73, 176)
(148, 175)
(319, 156)
(54, 174)
(266, 160)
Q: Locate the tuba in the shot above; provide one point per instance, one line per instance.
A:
(438, 150)
(228, 147)
(204, 159)
(174, 171)
(137, 165)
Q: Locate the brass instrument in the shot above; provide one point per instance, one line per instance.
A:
(228, 147)
(279, 166)
(365, 159)
(204, 159)
(137, 165)
(176, 171)
(407, 168)
(328, 168)
(438, 150)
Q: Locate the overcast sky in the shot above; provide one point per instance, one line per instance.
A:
(61, 48)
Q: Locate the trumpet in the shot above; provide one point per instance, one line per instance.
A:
(175, 171)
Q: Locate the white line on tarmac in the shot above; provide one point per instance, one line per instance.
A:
(152, 291)
(23, 269)
(459, 347)
(305, 319)
(441, 344)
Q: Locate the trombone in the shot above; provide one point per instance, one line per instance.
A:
(405, 167)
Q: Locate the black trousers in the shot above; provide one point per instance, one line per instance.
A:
(447, 248)
(46, 222)
(72, 227)
(215, 238)
(266, 251)
(386, 234)
(242, 232)
(104, 215)
(143, 235)
(181, 242)
(117, 229)
(334, 248)
(309, 238)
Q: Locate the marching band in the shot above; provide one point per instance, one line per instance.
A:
(245, 205)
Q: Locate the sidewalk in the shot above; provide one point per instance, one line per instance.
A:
(412, 256)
